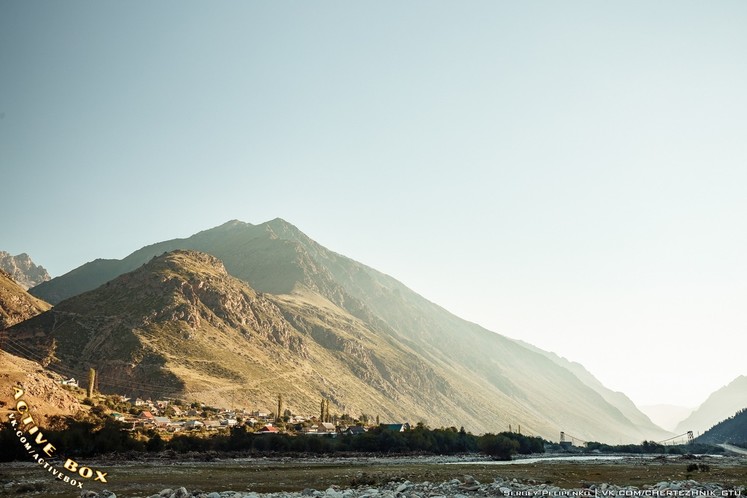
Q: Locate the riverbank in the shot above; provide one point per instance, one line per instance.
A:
(356, 477)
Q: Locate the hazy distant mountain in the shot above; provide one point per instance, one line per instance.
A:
(721, 404)
(615, 398)
(23, 270)
(732, 430)
(17, 305)
(667, 416)
(432, 364)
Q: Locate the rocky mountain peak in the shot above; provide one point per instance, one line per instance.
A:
(23, 270)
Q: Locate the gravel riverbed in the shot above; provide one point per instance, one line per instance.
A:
(241, 476)
(465, 487)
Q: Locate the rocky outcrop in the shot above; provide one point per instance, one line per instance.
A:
(43, 392)
(17, 305)
(23, 270)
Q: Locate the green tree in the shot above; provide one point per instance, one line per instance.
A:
(497, 446)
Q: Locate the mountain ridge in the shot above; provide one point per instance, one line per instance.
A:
(732, 430)
(721, 404)
(277, 259)
(199, 298)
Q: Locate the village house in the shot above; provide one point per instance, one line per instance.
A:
(146, 416)
(354, 430)
(161, 422)
(327, 428)
(70, 382)
(212, 425)
(396, 427)
(175, 426)
(117, 416)
(193, 424)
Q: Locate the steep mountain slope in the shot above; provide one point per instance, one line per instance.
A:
(43, 392)
(23, 270)
(181, 326)
(615, 398)
(719, 405)
(500, 381)
(732, 430)
(17, 305)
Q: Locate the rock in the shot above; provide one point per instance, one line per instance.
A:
(213, 495)
(107, 494)
(166, 493)
(470, 480)
(403, 487)
(88, 494)
(180, 493)
(332, 493)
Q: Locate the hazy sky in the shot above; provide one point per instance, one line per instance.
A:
(573, 174)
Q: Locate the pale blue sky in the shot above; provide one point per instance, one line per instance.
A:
(569, 173)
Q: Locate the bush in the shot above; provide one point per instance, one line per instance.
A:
(498, 446)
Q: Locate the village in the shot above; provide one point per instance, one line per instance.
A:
(169, 416)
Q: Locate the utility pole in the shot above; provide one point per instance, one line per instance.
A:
(280, 407)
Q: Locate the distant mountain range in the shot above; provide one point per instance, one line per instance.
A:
(719, 405)
(23, 270)
(241, 312)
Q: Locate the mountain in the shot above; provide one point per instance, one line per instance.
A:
(615, 398)
(732, 430)
(719, 405)
(17, 305)
(180, 326)
(43, 392)
(432, 365)
(23, 270)
(667, 416)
